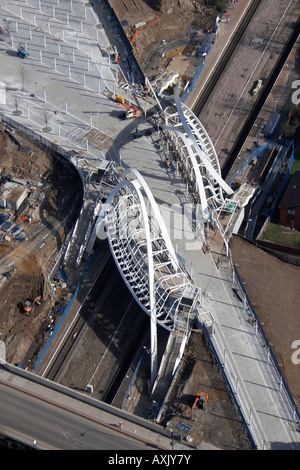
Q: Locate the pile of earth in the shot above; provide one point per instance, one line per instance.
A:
(151, 23)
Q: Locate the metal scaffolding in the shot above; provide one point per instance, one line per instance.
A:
(146, 259)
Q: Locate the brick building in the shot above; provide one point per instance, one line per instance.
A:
(289, 206)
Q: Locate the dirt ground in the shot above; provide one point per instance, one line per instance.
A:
(27, 278)
(149, 24)
(273, 288)
(219, 424)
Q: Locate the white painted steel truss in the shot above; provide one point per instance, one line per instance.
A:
(202, 169)
(146, 258)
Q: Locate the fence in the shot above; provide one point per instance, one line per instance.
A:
(269, 349)
(232, 376)
(36, 136)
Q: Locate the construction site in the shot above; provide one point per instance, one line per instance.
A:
(28, 303)
(31, 307)
(162, 50)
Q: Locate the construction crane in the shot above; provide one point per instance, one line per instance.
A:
(201, 399)
(131, 110)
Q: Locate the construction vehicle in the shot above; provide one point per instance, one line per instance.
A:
(26, 218)
(131, 111)
(22, 51)
(120, 99)
(28, 305)
(201, 400)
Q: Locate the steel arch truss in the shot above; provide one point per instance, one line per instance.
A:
(200, 166)
(146, 258)
(143, 249)
(200, 155)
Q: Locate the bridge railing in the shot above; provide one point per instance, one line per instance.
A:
(233, 377)
(271, 357)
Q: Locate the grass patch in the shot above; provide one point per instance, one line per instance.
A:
(282, 235)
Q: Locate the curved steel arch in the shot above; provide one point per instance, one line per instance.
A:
(146, 259)
(201, 161)
(202, 154)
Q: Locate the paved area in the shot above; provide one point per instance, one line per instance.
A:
(137, 428)
(65, 60)
(264, 403)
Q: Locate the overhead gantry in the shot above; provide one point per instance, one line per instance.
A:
(201, 167)
(146, 259)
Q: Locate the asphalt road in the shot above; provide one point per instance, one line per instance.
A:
(62, 429)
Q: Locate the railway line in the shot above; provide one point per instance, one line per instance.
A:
(85, 313)
(220, 68)
(252, 116)
(126, 362)
(121, 364)
(269, 83)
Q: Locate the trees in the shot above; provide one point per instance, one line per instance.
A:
(292, 127)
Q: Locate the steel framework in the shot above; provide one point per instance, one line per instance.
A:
(146, 259)
(202, 169)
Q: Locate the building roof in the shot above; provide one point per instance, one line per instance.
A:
(16, 193)
(291, 196)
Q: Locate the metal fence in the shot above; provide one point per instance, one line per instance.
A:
(232, 376)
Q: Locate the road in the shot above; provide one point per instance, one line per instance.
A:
(50, 228)
(31, 419)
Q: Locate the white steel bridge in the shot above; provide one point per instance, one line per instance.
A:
(200, 165)
(141, 245)
(146, 259)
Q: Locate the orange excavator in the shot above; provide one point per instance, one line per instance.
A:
(26, 218)
(28, 305)
(201, 400)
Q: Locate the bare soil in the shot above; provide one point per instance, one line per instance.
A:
(151, 23)
(219, 423)
(27, 278)
(273, 289)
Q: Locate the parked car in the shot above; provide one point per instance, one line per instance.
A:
(7, 226)
(3, 218)
(21, 237)
(16, 230)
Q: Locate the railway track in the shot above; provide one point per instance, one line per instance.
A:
(233, 44)
(260, 101)
(200, 103)
(73, 335)
(85, 313)
(127, 360)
